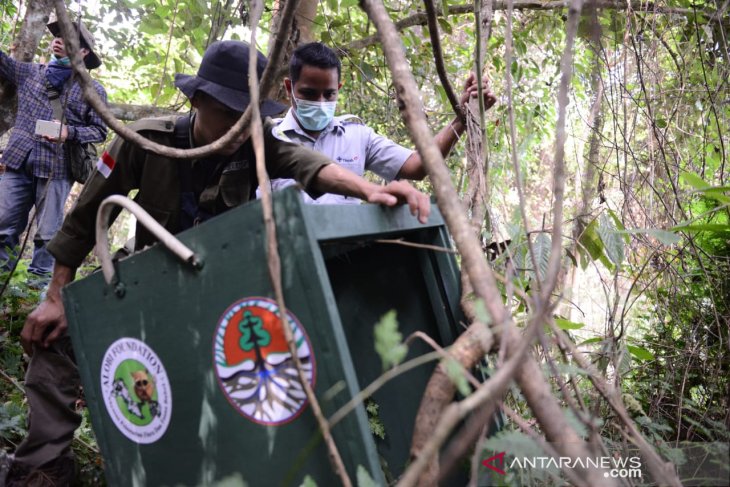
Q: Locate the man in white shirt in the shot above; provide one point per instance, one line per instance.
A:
(313, 85)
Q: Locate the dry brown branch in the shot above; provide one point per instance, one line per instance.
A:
(566, 73)
(441, 351)
(375, 385)
(420, 18)
(272, 251)
(130, 113)
(72, 46)
(477, 157)
(514, 144)
(477, 339)
(525, 427)
(417, 245)
(438, 55)
(663, 472)
(489, 392)
(171, 31)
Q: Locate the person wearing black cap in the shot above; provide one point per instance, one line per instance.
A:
(36, 170)
(178, 194)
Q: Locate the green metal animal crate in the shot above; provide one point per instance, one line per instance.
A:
(189, 380)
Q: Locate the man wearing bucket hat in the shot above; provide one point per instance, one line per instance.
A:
(36, 170)
(178, 194)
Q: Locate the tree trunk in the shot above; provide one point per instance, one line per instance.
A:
(23, 49)
(588, 183)
(301, 33)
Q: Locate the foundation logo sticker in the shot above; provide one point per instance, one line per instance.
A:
(253, 363)
(136, 390)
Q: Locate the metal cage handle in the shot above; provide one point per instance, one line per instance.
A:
(102, 237)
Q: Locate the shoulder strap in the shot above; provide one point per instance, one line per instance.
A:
(182, 133)
(182, 141)
(54, 96)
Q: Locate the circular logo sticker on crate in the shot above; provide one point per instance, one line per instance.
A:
(254, 366)
(136, 390)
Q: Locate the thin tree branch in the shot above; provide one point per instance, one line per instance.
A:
(420, 18)
(663, 472)
(272, 251)
(417, 245)
(525, 427)
(167, 53)
(383, 379)
(566, 74)
(433, 32)
(489, 391)
(90, 95)
(533, 385)
(513, 141)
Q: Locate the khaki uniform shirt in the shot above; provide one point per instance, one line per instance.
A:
(158, 180)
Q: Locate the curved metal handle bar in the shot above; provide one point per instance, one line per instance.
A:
(102, 230)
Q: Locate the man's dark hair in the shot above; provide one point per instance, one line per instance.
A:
(313, 54)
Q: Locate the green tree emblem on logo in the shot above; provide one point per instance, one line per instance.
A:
(253, 334)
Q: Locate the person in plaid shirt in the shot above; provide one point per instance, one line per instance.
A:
(35, 170)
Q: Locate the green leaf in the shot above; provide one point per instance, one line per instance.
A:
(542, 249)
(445, 25)
(388, 341)
(591, 340)
(612, 240)
(458, 376)
(520, 46)
(705, 227)
(368, 71)
(308, 482)
(363, 478)
(665, 237)
(661, 123)
(640, 353)
(480, 310)
(377, 427)
(694, 180)
(564, 324)
(591, 242)
(619, 225)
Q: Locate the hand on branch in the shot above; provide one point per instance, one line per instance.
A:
(471, 90)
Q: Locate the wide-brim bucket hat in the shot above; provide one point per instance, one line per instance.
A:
(87, 41)
(223, 74)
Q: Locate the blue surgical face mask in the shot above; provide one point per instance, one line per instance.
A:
(63, 61)
(315, 115)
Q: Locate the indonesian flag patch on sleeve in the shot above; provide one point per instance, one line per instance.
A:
(105, 164)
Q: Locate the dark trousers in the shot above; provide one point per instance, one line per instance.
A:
(52, 387)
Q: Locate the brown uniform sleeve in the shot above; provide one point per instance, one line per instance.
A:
(289, 160)
(77, 236)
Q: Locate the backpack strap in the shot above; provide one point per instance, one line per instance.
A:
(54, 96)
(181, 137)
(188, 205)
